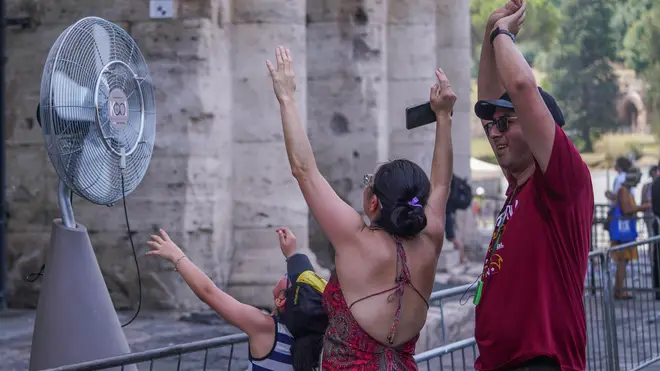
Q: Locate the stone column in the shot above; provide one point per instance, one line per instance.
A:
(186, 190)
(266, 195)
(411, 64)
(453, 55)
(347, 98)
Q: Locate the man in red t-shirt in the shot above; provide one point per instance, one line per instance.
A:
(529, 312)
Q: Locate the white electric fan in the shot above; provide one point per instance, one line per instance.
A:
(97, 112)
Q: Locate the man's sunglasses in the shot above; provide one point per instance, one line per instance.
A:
(502, 124)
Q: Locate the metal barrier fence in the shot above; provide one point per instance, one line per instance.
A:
(623, 334)
(212, 354)
(223, 353)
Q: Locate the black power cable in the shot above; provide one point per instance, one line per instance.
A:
(137, 265)
(34, 276)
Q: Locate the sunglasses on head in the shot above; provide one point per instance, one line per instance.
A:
(502, 124)
(367, 179)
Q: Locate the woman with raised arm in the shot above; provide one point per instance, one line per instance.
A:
(388, 265)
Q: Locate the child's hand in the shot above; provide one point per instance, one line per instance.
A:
(287, 241)
(164, 247)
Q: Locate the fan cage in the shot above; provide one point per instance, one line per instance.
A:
(97, 108)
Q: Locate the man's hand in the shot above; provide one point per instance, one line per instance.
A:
(442, 97)
(513, 22)
(507, 9)
(287, 241)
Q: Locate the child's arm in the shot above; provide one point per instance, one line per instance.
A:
(247, 318)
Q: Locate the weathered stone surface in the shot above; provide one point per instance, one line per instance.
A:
(359, 11)
(412, 12)
(266, 195)
(269, 11)
(188, 193)
(347, 98)
(219, 180)
(68, 11)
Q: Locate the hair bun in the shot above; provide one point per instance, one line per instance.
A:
(408, 220)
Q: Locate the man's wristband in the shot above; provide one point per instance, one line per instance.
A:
(498, 31)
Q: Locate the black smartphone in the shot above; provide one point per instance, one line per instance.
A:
(419, 115)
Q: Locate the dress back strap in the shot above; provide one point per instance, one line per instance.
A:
(403, 278)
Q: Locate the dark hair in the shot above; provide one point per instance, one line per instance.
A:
(306, 352)
(653, 170)
(402, 188)
(623, 164)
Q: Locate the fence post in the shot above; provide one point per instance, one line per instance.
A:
(611, 343)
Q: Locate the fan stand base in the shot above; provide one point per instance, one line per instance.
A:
(75, 320)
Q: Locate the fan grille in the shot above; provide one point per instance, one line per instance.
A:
(97, 104)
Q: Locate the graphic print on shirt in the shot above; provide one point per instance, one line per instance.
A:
(494, 261)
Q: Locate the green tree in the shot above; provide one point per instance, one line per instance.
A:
(625, 23)
(647, 60)
(582, 78)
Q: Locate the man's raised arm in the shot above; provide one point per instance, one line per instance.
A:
(517, 77)
(488, 81)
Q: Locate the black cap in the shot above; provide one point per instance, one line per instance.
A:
(485, 109)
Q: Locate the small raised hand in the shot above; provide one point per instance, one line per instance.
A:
(287, 241)
(164, 247)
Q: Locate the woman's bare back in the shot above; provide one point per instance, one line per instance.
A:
(372, 268)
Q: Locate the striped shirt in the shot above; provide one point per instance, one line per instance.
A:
(279, 357)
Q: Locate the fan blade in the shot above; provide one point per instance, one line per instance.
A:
(94, 172)
(72, 101)
(102, 41)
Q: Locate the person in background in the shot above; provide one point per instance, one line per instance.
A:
(621, 165)
(269, 339)
(655, 248)
(646, 199)
(623, 229)
(450, 234)
(460, 198)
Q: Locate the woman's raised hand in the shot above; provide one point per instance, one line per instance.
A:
(442, 97)
(284, 81)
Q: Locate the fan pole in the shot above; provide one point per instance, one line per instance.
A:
(75, 320)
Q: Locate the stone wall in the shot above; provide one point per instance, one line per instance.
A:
(219, 181)
(266, 195)
(187, 189)
(347, 98)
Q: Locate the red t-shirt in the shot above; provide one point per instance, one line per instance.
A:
(531, 302)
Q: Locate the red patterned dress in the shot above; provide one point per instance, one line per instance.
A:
(348, 347)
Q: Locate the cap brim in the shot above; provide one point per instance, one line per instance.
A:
(485, 109)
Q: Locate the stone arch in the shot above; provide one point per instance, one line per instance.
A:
(632, 112)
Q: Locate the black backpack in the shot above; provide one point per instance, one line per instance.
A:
(304, 314)
(460, 194)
